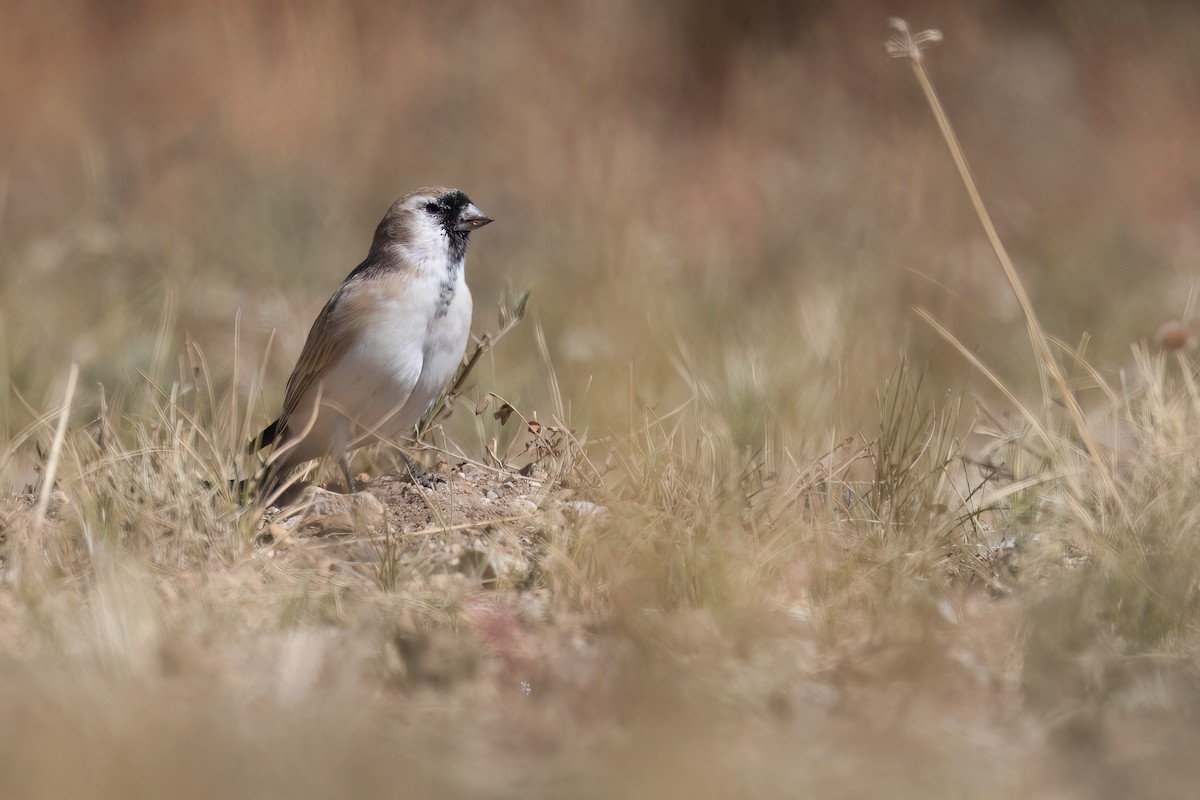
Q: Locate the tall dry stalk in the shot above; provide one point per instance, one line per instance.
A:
(60, 434)
(905, 44)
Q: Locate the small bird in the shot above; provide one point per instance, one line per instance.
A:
(387, 342)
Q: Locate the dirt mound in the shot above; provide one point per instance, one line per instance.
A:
(484, 525)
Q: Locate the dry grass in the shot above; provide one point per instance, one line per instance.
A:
(721, 517)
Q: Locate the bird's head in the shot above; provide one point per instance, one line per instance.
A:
(429, 223)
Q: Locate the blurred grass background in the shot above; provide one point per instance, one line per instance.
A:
(759, 183)
(737, 204)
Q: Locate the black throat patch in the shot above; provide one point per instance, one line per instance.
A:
(452, 205)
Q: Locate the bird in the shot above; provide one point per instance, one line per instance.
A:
(387, 342)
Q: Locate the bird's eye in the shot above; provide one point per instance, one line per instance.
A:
(432, 208)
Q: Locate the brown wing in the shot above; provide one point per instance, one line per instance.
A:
(330, 335)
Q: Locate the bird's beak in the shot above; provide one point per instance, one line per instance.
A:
(471, 218)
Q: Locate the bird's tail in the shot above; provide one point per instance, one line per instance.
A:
(263, 439)
(244, 489)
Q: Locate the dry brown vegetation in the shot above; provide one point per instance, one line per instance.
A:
(726, 515)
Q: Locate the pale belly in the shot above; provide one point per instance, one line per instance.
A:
(387, 379)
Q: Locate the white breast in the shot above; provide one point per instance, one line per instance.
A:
(405, 351)
(402, 361)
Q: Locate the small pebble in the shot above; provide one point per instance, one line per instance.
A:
(524, 506)
(582, 509)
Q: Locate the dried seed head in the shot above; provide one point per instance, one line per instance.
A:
(905, 44)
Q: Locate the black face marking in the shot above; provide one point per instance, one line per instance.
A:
(452, 204)
(447, 210)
